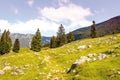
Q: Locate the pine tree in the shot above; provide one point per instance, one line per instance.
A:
(53, 42)
(3, 37)
(4, 44)
(36, 42)
(8, 39)
(16, 46)
(93, 30)
(4, 48)
(61, 36)
(70, 37)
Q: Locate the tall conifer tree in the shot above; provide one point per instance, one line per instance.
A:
(36, 42)
(8, 39)
(16, 46)
(4, 43)
(61, 36)
(93, 30)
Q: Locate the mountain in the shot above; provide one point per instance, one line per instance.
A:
(104, 28)
(25, 39)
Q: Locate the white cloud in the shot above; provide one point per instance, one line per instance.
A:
(47, 28)
(71, 12)
(75, 14)
(71, 16)
(30, 2)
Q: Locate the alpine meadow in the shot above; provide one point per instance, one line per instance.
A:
(59, 40)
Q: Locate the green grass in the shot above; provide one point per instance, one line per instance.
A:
(53, 64)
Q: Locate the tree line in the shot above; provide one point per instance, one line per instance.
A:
(61, 38)
(56, 41)
(6, 43)
(36, 43)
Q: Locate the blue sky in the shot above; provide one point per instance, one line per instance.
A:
(25, 16)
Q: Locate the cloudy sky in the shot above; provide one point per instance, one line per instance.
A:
(25, 16)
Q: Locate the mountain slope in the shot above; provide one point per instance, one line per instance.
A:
(105, 28)
(53, 64)
(25, 39)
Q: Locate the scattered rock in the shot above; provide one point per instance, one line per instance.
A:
(2, 72)
(19, 71)
(7, 64)
(27, 65)
(110, 51)
(89, 46)
(49, 75)
(94, 59)
(82, 47)
(74, 71)
(72, 67)
(102, 56)
(86, 59)
(118, 72)
(15, 67)
(112, 76)
(90, 55)
(36, 53)
(14, 73)
(7, 68)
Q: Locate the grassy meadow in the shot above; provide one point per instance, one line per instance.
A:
(53, 64)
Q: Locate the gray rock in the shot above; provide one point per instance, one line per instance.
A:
(102, 56)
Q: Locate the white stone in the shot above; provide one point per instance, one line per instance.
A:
(2, 72)
(27, 65)
(90, 55)
(74, 71)
(7, 68)
(88, 59)
(19, 70)
(82, 47)
(118, 72)
(94, 54)
(14, 73)
(94, 59)
(7, 64)
(102, 56)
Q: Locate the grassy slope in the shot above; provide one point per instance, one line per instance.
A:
(53, 63)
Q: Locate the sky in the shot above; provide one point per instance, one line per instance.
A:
(26, 16)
